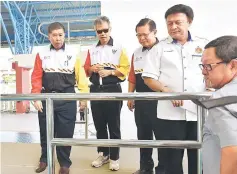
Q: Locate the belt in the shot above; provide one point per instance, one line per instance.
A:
(49, 91)
(105, 86)
(52, 92)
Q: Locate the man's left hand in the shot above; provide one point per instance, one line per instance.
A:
(176, 103)
(105, 73)
(82, 105)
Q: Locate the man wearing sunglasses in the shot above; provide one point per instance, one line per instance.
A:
(145, 111)
(219, 67)
(107, 65)
(173, 66)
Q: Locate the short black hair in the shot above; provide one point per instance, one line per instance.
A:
(146, 21)
(55, 26)
(180, 8)
(225, 46)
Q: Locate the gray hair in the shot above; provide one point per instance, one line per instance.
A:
(101, 19)
(226, 47)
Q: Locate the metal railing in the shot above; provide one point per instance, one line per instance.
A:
(52, 142)
(85, 121)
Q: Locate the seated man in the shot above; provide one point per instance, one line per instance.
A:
(219, 67)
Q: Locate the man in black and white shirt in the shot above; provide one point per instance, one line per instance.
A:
(145, 111)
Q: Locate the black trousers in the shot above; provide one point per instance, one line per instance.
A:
(176, 130)
(64, 124)
(145, 111)
(107, 113)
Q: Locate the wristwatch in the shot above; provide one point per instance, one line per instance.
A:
(112, 73)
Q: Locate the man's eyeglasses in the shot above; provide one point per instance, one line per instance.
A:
(208, 67)
(143, 35)
(102, 31)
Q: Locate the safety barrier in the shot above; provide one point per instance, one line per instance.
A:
(52, 142)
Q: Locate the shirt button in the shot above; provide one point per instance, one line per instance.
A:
(184, 57)
(185, 90)
(185, 78)
(185, 67)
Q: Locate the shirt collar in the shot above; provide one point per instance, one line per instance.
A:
(234, 80)
(174, 41)
(111, 42)
(52, 47)
(148, 48)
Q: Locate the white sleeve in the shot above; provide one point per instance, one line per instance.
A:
(152, 63)
(189, 106)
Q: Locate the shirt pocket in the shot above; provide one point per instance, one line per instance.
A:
(171, 59)
(194, 62)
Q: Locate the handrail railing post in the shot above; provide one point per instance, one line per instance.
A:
(50, 135)
(199, 138)
(86, 123)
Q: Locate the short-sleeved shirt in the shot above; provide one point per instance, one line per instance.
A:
(137, 64)
(222, 121)
(111, 56)
(177, 67)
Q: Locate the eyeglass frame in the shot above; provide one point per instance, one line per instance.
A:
(204, 66)
(144, 34)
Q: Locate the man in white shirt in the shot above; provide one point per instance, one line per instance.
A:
(173, 66)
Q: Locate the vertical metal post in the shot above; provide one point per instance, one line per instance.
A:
(204, 115)
(86, 123)
(68, 30)
(199, 138)
(50, 135)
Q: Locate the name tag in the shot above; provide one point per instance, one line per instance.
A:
(196, 56)
(168, 51)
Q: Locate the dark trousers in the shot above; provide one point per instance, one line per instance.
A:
(144, 112)
(64, 124)
(176, 130)
(107, 113)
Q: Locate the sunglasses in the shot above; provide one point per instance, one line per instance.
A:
(102, 31)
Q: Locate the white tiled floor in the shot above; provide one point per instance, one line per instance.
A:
(19, 158)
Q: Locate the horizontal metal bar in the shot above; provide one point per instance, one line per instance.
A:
(71, 9)
(106, 96)
(54, 16)
(41, 2)
(82, 30)
(70, 21)
(53, 2)
(126, 143)
(217, 102)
